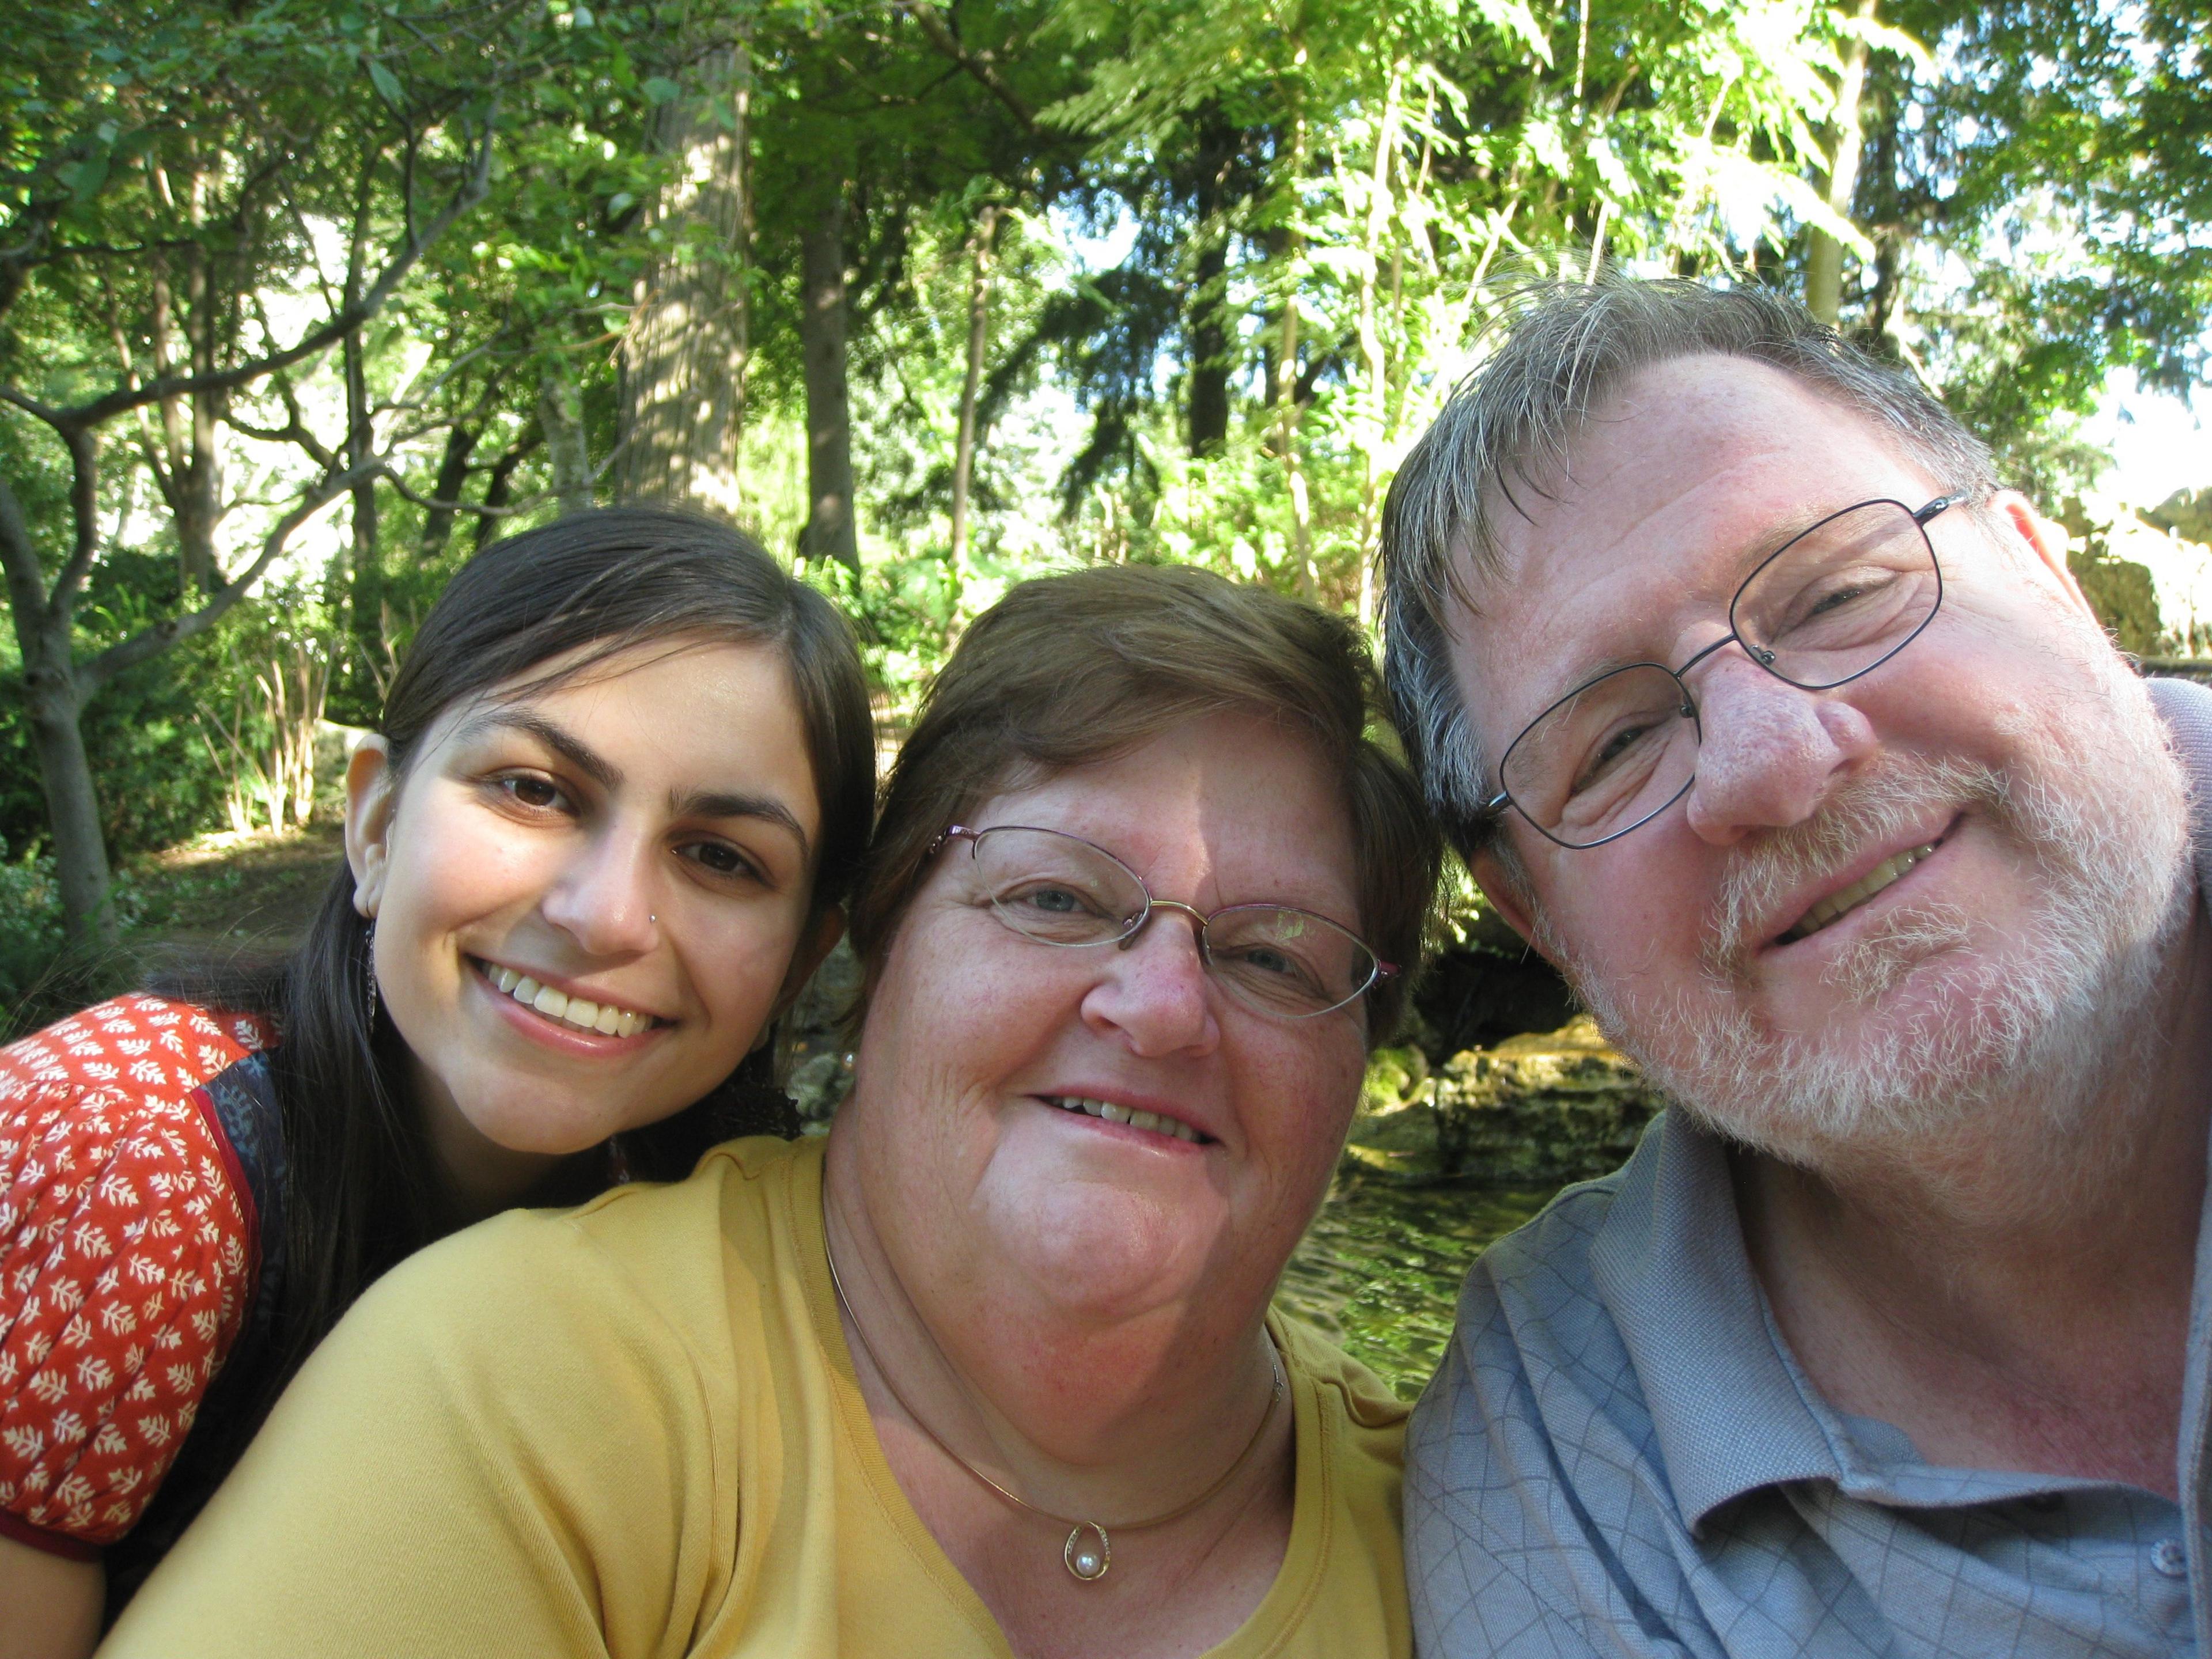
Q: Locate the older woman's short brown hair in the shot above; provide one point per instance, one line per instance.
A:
(1069, 670)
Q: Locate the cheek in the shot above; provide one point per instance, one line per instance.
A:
(451, 865)
(1299, 1104)
(741, 959)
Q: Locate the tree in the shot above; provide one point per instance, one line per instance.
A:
(685, 350)
(196, 140)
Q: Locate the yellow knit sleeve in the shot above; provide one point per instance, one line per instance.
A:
(504, 1449)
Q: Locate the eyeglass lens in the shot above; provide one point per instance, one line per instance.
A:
(1838, 600)
(1057, 889)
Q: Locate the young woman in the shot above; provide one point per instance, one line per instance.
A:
(600, 838)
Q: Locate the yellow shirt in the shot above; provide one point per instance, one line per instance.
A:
(634, 1430)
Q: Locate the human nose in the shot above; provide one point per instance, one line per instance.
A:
(1154, 989)
(603, 898)
(1768, 752)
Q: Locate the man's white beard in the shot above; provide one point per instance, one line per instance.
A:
(2036, 1028)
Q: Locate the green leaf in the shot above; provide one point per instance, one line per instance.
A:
(387, 83)
(659, 88)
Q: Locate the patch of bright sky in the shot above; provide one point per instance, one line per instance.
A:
(2158, 443)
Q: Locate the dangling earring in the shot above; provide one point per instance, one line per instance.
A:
(368, 968)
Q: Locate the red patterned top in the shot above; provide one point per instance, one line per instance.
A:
(127, 1255)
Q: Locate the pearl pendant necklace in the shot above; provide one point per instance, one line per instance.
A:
(1089, 1551)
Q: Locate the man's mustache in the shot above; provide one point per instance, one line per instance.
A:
(1868, 811)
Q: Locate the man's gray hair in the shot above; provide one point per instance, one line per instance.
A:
(1509, 427)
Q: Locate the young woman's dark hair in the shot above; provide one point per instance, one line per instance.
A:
(360, 1187)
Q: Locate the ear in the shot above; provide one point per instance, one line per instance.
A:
(829, 927)
(2047, 541)
(1490, 875)
(372, 792)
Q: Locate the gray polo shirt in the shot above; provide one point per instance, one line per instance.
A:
(1619, 1456)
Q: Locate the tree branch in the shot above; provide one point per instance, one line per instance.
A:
(349, 317)
(528, 503)
(932, 24)
(19, 557)
(154, 641)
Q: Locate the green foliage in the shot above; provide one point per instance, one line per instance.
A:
(1311, 204)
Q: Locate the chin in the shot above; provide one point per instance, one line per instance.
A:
(1110, 1251)
(547, 1128)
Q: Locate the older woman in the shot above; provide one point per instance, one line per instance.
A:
(993, 1368)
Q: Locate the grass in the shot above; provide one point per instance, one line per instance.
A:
(218, 893)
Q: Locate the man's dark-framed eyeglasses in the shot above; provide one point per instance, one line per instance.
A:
(1056, 889)
(1835, 601)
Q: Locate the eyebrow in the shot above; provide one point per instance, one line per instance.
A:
(697, 803)
(592, 764)
(721, 803)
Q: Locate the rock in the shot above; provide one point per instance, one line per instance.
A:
(1543, 1107)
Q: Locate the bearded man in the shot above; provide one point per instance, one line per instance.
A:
(1763, 711)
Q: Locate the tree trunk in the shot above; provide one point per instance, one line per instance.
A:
(187, 469)
(367, 569)
(1374, 425)
(683, 359)
(979, 329)
(1209, 355)
(829, 532)
(452, 478)
(1824, 261)
(72, 803)
(1286, 392)
(1207, 332)
(567, 450)
(55, 698)
(498, 484)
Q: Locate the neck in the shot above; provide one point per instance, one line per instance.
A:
(1113, 1420)
(480, 1177)
(2009, 1300)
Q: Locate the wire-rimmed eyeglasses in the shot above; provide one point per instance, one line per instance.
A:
(1833, 602)
(1056, 889)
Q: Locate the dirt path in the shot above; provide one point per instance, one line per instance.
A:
(261, 890)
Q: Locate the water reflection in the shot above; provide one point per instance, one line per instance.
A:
(1380, 1268)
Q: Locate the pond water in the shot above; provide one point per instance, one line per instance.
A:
(1380, 1268)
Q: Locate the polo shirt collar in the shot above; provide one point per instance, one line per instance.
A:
(1730, 1412)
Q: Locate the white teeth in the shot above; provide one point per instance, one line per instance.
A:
(1838, 904)
(1113, 1113)
(581, 1012)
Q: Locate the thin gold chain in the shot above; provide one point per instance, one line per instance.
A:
(1274, 1398)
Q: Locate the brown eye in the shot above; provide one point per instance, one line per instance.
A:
(540, 794)
(720, 859)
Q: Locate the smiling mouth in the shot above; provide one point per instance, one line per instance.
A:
(1836, 906)
(577, 1013)
(1113, 1113)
